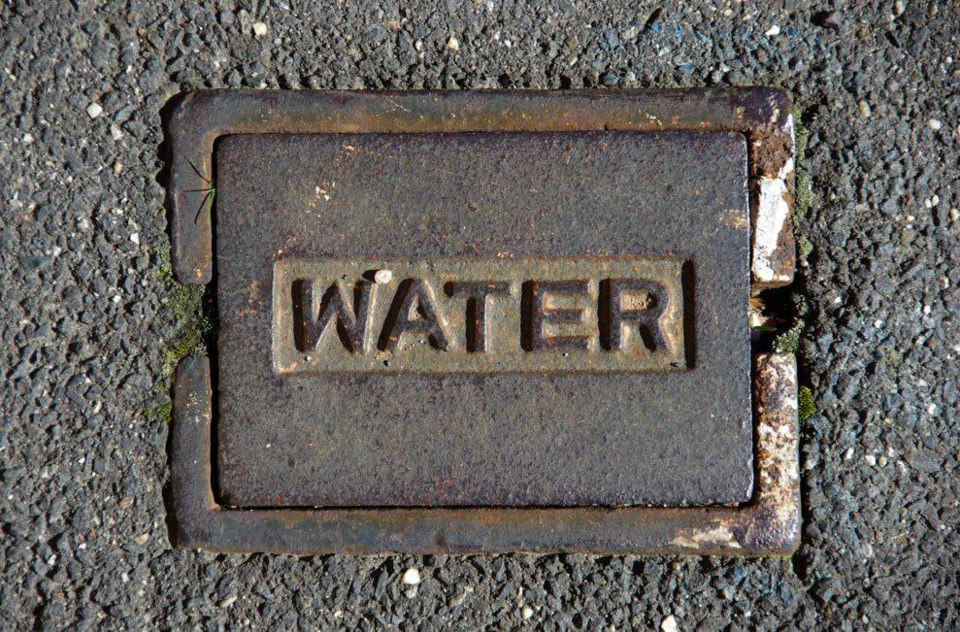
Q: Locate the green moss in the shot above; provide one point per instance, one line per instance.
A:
(192, 328)
(806, 407)
(803, 200)
(789, 340)
(186, 302)
(800, 131)
(162, 412)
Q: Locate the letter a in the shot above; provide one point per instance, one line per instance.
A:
(413, 295)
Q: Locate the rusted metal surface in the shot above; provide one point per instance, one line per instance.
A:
(768, 525)
(763, 115)
(535, 209)
(475, 315)
(374, 490)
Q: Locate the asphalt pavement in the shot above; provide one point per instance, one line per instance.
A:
(91, 319)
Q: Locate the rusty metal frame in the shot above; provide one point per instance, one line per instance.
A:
(768, 525)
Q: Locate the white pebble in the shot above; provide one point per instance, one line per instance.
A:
(870, 459)
(383, 277)
(27, 138)
(259, 29)
(94, 110)
(935, 124)
(526, 612)
(453, 43)
(669, 624)
(773, 30)
(135, 238)
(226, 602)
(411, 577)
(115, 132)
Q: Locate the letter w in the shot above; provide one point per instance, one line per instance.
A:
(312, 320)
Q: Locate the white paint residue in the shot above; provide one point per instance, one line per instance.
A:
(694, 539)
(772, 213)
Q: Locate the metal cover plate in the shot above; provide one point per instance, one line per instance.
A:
(583, 202)
(560, 213)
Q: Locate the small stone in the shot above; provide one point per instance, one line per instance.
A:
(226, 602)
(115, 132)
(382, 277)
(827, 19)
(669, 624)
(259, 29)
(27, 138)
(870, 460)
(135, 238)
(94, 110)
(935, 124)
(864, 108)
(773, 31)
(453, 43)
(411, 577)
(526, 613)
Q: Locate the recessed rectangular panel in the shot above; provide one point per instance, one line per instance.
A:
(615, 273)
(478, 315)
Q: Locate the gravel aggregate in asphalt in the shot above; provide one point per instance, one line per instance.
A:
(89, 312)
